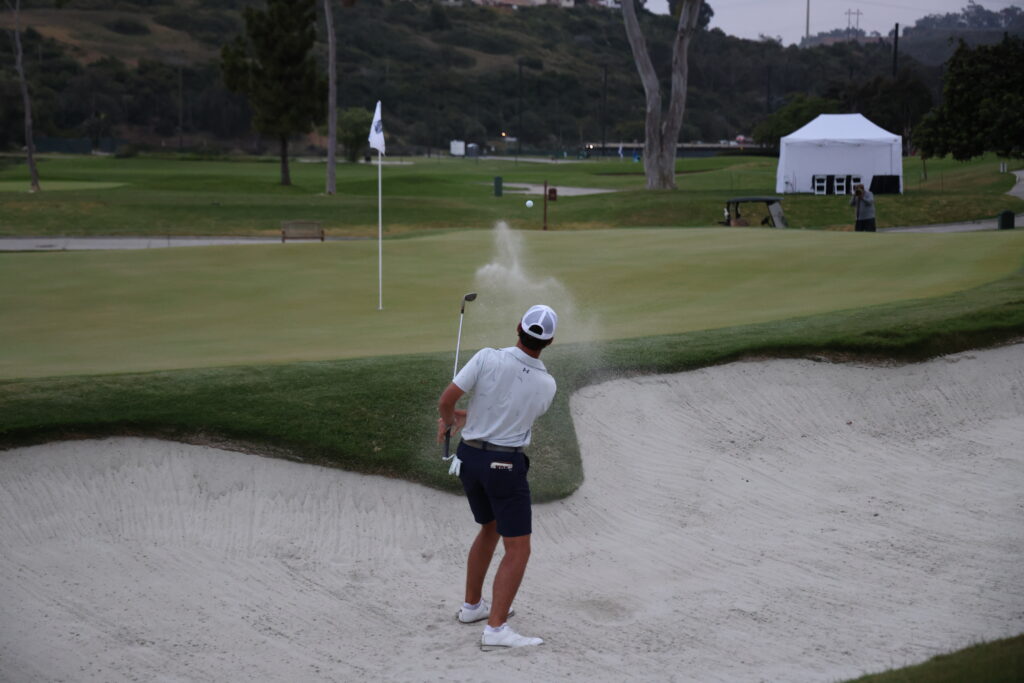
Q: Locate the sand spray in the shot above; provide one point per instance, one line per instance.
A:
(507, 287)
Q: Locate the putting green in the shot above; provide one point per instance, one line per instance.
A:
(106, 312)
(57, 185)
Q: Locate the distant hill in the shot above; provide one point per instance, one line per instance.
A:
(139, 70)
(932, 39)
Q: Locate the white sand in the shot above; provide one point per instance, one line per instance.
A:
(782, 521)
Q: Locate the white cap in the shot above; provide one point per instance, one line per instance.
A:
(542, 318)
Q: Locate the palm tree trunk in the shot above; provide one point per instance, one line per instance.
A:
(26, 99)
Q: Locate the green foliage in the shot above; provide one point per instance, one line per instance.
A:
(353, 131)
(983, 104)
(447, 72)
(10, 109)
(209, 26)
(273, 66)
(438, 19)
(800, 111)
(128, 27)
(895, 104)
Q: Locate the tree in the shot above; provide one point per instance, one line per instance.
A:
(353, 127)
(706, 13)
(662, 129)
(274, 68)
(896, 104)
(26, 99)
(800, 111)
(983, 104)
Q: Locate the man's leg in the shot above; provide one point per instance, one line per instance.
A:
(509, 576)
(479, 560)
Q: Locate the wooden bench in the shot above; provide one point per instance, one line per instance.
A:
(301, 230)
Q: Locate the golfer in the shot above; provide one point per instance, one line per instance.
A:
(864, 209)
(509, 388)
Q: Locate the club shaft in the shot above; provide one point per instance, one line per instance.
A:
(458, 342)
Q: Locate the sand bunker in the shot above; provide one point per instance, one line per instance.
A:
(781, 520)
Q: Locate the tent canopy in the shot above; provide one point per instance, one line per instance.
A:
(834, 151)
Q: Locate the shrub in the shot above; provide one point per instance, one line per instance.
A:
(127, 27)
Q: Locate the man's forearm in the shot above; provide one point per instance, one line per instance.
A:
(446, 404)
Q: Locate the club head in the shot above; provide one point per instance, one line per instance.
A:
(469, 297)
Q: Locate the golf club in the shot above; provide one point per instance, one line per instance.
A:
(447, 454)
(458, 340)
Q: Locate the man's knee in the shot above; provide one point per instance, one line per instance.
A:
(517, 546)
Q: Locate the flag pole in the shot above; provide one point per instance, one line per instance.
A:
(376, 140)
(380, 240)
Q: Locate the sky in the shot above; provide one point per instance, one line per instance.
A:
(788, 18)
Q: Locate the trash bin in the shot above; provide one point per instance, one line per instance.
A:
(1006, 220)
(497, 186)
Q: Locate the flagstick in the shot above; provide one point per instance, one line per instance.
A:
(380, 241)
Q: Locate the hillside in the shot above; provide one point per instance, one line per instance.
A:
(138, 71)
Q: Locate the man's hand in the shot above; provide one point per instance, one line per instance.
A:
(459, 423)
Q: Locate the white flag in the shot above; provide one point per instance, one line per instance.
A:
(377, 131)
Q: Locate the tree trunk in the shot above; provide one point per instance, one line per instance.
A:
(662, 131)
(26, 100)
(330, 186)
(286, 178)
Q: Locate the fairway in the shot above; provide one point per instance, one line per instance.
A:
(111, 312)
(161, 196)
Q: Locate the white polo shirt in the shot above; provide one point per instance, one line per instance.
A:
(508, 391)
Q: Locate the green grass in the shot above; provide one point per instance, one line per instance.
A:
(166, 196)
(375, 414)
(103, 312)
(1001, 661)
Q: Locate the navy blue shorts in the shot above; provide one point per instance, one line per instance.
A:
(496, 487)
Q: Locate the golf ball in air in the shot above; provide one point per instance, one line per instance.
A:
(529, 203)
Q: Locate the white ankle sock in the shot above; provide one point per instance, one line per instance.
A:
(491, 629)
(467, 606)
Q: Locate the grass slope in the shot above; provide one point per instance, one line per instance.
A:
(1001, 661)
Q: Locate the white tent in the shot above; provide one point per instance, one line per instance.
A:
(834, 152)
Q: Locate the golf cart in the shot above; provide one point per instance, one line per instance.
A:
(775, 217)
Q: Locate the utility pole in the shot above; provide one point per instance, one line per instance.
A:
(604, 110)
(895, 50)
(849, 20)
(519, 133)
(181, 107)
(807, 31)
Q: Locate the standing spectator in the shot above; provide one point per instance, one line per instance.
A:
(864, 209)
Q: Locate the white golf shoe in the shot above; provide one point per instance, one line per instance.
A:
(505, 637)
(482, 611)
